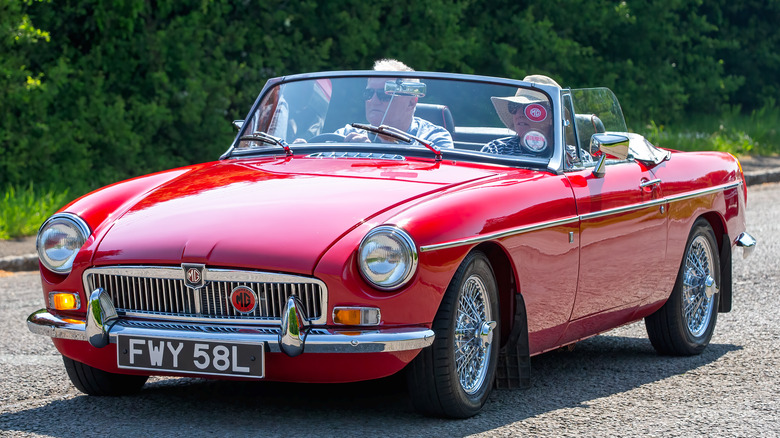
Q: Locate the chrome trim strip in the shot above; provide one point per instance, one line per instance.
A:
(514, 231)
(549, 224)
(334, 341)
(703, 192)
(624, 209)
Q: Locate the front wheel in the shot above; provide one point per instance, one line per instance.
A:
(684, 325)
(454, 376)
(93, 381)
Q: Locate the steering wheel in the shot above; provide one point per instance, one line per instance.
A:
(327, 138)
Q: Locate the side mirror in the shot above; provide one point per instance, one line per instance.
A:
(613, 145)
(238, 124)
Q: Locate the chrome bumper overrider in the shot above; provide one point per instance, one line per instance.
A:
(102, 326)
(748, 244)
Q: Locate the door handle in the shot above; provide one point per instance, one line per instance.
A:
(649, 183)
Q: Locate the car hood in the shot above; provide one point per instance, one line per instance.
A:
(268, 214)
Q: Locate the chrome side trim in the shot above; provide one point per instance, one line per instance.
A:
(661, 201)
(702, 192)
(317, 340)
(748, 244)
(564, 221)
(512, 232)
(624, 209)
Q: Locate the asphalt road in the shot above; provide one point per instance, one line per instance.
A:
(610, 385)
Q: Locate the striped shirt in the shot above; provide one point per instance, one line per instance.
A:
(434, 134)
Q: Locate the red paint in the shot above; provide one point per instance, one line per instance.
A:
(307, 216)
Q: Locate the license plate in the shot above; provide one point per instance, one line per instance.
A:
(191, 356)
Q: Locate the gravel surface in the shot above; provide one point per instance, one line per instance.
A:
(17, 247)
(610, 385)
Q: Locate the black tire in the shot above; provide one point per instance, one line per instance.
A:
(435, 386)
(93, 381)
(674, 329)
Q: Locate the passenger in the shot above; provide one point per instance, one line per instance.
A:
(528, 113)
(394, 110)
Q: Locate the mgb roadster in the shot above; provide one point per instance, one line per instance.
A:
(366, 223)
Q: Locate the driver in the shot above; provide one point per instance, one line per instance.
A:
(394, 110)
(528, 114)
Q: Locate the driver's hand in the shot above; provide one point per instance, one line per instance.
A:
(356, 137)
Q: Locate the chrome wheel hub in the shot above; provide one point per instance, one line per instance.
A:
(699, 286)
(473, 334)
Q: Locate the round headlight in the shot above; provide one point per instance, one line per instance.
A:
(59, 240)
(387, 257)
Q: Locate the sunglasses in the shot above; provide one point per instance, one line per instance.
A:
(514, 107)
(368, 93)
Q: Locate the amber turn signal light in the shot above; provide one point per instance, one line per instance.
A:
(356, 315)
(64, 300)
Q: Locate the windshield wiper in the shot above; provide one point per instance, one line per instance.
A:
(400, 135)
(268, 138)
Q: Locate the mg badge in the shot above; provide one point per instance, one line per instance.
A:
(194, 275)
(243, 299)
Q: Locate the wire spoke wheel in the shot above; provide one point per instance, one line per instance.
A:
(684, 325)
(454, 376)
(470, 352)
(698, 302)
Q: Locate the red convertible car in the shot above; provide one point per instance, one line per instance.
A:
(366, 222)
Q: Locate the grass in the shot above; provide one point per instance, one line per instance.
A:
(757, 133)
(23, 210)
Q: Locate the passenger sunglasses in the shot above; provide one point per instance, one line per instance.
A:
(514, 107)
(368, 93)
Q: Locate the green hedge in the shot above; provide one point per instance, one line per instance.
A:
(97, 91)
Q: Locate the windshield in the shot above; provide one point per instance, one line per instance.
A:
(482, 117)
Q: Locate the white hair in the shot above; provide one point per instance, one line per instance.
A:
(391, 65)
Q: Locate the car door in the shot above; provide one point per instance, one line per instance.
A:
(622, 240)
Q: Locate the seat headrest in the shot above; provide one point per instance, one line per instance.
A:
(436, 114)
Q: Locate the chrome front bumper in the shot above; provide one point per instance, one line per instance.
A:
(102, 326)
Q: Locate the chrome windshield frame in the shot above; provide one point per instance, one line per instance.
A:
(555, 164)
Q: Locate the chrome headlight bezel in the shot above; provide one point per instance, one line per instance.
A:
(405, 266)
(74, 232)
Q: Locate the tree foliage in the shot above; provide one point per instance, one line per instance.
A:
(96, 90)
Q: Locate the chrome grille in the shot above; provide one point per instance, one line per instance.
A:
(161, 292)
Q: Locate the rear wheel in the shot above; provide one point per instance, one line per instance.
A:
(93, 381)
(684, 325)
(454, 376)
